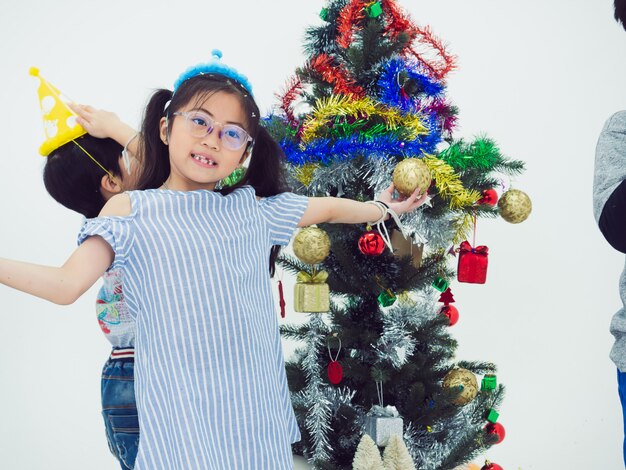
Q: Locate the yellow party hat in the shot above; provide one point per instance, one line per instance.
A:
(59, 121)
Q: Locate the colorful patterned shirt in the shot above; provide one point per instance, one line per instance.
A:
(113, 316)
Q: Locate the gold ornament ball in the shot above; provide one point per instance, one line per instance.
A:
(311, 245)
(515, 206)
(463, 380)
(409, 174)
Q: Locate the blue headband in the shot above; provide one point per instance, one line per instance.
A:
(214, 66)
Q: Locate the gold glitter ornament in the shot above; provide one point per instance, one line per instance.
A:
(515, 206)
(465, 382)
(409, 174)
(311, 245)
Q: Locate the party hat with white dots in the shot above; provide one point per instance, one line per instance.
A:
(59, 121)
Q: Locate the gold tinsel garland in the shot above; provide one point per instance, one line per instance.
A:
(305, 173)
(451, 188)
(449, 184)
(462, 226)
(327, 109)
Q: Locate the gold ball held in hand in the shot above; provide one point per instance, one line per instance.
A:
(311, 245)
(410, 174)
(463, 381)
(515, 206)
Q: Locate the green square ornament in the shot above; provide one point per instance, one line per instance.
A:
(492, 416)
(386, 299)
(374, 10)
(440, 284)
(324, 14)
(489, 382)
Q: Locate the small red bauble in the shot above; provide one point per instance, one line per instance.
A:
(491, 466)
(496, 429)
(451, 312)
(335, 372)
(371, 243)
(490, 198)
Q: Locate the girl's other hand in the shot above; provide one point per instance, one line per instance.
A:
(402, 204)
(98, 122)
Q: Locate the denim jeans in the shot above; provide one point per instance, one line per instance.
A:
(120, 411)
(621, 388)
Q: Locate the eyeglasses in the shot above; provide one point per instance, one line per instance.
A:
(201, 124)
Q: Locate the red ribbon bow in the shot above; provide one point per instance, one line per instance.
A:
(466, 248)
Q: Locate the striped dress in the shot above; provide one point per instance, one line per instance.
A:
(210, 378)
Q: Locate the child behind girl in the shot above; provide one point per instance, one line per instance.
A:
(210, 382)
(74, 180)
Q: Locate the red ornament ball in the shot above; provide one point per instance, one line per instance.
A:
(490, 197)
(491, 466)
(371, 243)
(496, 429)
(335, 372)
(451, 312)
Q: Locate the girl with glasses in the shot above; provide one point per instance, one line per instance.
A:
(211, 387)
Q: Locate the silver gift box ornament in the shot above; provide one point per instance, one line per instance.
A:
(381, 425)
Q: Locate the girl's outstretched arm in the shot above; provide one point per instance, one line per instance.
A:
(60, 285)
(347, 211)
(101, 123)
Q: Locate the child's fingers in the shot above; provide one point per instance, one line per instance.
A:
(421, 199)
(416, 195)
(80, 110)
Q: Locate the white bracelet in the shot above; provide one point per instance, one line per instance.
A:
(380, 223)
(135, 135)
(126, 156)
(383, 210)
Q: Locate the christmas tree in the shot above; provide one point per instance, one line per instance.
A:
(372, 94)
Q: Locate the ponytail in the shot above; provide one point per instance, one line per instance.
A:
(265, 174)
(156, 162)
(620, 12)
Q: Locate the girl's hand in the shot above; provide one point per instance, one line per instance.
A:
(98, 122)
(402, 204)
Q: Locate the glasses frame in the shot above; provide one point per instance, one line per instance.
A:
(209, 119)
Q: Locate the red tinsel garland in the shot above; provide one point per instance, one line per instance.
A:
(335, 75)
(397, 21)
(293, 89)
(438, 66)
(349, 19)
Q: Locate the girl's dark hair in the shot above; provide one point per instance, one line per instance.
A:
(265, 170)
(620, 12)
(73, 179)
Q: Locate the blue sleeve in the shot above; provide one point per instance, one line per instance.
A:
(282, 214)
(115, 231)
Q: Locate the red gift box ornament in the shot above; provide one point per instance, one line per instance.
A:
(472, 263)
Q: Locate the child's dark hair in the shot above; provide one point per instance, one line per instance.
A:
(265, 171)
(73, 179)
(620, 12)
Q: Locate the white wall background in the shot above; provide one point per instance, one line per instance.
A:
(538, 76)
